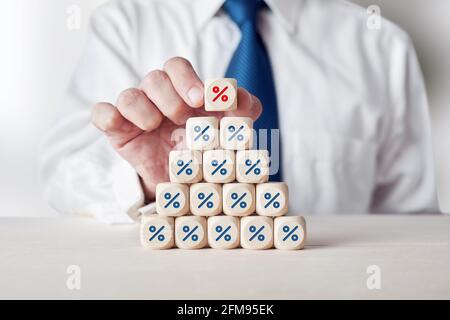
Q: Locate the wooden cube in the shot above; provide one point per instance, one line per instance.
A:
(223, 232)
(272, 199)
(205, 199)
(220, 94)
(185, 166)
(172, 199)
(202, 133)
(238, 199)
(157, 232)
(252, 166)
(219, 166)
(290, 233)
(236, 133)
(256, 232)
(190, 232)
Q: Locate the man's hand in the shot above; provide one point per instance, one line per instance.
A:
(140, 125)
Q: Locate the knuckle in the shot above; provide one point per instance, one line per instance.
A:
(177, 62)
(95, 114)
(128, 96)
(95, 109)
(111, 120)
(155, 78)
(105, 117)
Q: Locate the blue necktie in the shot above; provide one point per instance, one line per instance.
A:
(250, 66)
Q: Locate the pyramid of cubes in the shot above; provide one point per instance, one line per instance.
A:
(219, 195)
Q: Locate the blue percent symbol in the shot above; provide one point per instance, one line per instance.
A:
(219, 167)
(202, 196)
(184, 167)
(239, 200)
(253, 167)
(190, 233)
(235, 133)
(157, 234)
(223, 233)
(171, 200)
(271, 201)
(257, 233)
(289, 233)
(201, 133)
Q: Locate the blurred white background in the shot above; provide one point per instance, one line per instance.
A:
(38, 53)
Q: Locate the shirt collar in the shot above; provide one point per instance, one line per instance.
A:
(285, 10)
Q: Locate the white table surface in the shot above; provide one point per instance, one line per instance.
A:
(413, 253)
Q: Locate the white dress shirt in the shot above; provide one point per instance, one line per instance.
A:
(352, 104)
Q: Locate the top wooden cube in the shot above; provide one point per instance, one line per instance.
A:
(220, 94)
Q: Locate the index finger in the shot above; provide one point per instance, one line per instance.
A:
(185, 81)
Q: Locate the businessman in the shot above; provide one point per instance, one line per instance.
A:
(349, 103)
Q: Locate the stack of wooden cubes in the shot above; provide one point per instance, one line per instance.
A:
(219, 195)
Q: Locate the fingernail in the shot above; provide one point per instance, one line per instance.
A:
(195, 94)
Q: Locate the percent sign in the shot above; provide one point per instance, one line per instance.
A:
(190, 233)
(219, 167)
(257, 233)
(235, 133)
(223, 233)
(157, 234)
(290, 233)
(253, 167)
(202, 196)
(220, 93)
(171, 200)
(239, 200)
(184, 167)
(271, 200)
(202, 133)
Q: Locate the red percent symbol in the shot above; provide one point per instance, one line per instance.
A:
(224, 98)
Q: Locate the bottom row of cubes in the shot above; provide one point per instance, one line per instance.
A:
(223, 232)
